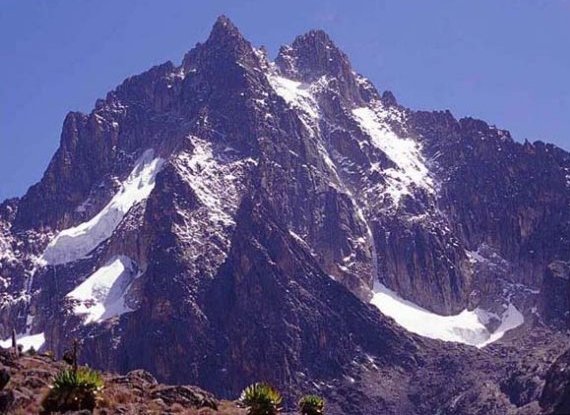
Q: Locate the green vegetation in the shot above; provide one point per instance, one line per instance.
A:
(311, 405)
(261, 399)
(73, 390)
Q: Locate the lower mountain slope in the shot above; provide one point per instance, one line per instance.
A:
(494, 382)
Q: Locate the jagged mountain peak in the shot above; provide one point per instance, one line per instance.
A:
(225, 33)
(313, 56)
(224, 44)
(224, 27)
(315, 39)
(389, 99)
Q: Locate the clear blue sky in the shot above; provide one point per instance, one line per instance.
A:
(507, 62)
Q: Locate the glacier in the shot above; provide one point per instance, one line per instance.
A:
(77, 242)
(102, 295)
(467, 327)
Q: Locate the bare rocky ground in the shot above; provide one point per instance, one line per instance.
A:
(137, 392)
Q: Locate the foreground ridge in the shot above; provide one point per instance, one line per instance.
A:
(26, 379)
(29, 378)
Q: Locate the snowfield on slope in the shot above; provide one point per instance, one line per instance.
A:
(296, 94)
(467, 327)
(26, 340)
(216, 176)
(102, 295)
(77, 242)
(404, 152)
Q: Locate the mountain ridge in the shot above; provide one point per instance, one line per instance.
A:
(297, 184)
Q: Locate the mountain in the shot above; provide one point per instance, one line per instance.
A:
(235, 219)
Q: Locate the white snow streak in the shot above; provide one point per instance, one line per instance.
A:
(76, 242)
(512, 318)
(301, 97)
(214, 178)
(26, 340)
(211, 184)
(404, 152)
(467, 327)
(6, 252)
(217, 178)
(102, 295)
(296, 94)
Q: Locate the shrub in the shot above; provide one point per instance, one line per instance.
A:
(261, 399)
(311, 405)
(73, 390)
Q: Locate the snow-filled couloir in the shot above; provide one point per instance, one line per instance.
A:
(411, 169)
(77, 242)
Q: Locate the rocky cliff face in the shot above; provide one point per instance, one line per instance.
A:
(555, 398)
(229, 219)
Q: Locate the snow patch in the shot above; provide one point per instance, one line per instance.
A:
(76, 242)
(6, 251)
(217, 178)
(213, 178)
(296, 94)
(467, 327)
(102, 295)
(511, 319)
(26, 340)
(475, 256)
(404, 152)
(301, 96)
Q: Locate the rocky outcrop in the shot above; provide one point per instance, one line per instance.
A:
(137, 392)
(555, 398)
(555, 306)
(498, 192)
(313, 56)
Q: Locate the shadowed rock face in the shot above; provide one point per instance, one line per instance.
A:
(555, 398)
(556, 299)
(285, 190)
